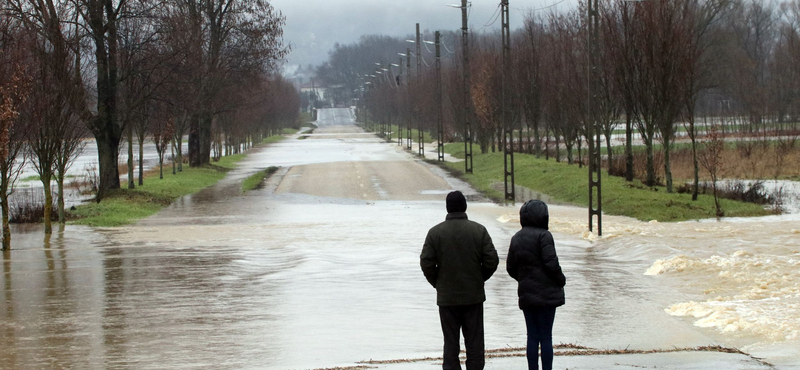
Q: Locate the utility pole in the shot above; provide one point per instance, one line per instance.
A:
(399, 82)
(439, 123)
(421, 136)
(593, 131)
(508, 126)
(466, 82)
(408, 92)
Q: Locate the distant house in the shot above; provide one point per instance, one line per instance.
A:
(315, 92)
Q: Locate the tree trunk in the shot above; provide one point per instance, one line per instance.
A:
(693, 135)
(569, 154)
(62, 217)
(651, 173)
(609, 151)
(107, 155)
(546, 145)
(48, 204)
(130, 157)
(194, 141)
(558, 150)
(6, 227)
(667, 166)
(200, 140)
(179, 153)
(628, 148)
(141, 162)
(104, 125)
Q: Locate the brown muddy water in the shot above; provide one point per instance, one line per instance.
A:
(320, 268)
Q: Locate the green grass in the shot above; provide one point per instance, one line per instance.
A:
(229, 162)
(568, 184)
(32, 178)
(125, 206)
(276, 138)
(427, 137)
(255, 180)
(305, 120)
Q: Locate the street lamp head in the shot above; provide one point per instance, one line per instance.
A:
(395, 65)
(377, 64)
(430, 42)
(402, 54)
(384, 69)
(411, 41)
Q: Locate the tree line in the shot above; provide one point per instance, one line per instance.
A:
(665, 70)
(131, 70)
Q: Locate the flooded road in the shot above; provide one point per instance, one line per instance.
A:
(320, 268)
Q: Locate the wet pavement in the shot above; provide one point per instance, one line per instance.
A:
(319, 269)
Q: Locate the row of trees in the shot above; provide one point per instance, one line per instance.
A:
(661, 66)
(133, 69)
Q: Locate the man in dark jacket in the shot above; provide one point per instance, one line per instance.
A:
(457, 258)
(533, 262)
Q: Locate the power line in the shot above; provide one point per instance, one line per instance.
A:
(448, 49)
(538, 9)
(424, 62)
(491, 21)
(426, 47)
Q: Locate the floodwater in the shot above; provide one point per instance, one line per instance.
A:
(320, 268)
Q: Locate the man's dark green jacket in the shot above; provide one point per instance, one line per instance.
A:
(457, 258)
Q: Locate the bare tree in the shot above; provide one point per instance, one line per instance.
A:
(529, 81)
(711, 159)
(14, 86)
(161, 127)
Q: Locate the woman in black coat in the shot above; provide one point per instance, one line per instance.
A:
(532, 261)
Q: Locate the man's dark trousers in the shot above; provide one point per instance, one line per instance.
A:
(470, 319)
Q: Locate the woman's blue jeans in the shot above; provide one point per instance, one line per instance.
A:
(540, 332)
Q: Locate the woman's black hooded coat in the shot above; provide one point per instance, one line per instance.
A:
(533, 262)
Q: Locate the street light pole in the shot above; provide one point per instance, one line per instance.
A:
(508, 126)
(466, 82)
(408, 94)
(439, 123)
(593, 131)
(399, 82)
(420, 135)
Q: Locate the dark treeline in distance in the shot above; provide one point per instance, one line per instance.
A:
(135, 69)
(666, 70)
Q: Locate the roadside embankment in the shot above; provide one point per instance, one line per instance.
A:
(567, 184)
(125, 206)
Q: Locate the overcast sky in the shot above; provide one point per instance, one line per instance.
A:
(314, 26)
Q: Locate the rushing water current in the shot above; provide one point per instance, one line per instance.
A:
(320, 268)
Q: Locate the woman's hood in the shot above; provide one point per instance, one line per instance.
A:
(534, 213)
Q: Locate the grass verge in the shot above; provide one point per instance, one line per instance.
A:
(568, 184)
(427, 136)
(256, 180)
(125, 206)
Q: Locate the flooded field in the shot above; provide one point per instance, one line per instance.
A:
(320, 268)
